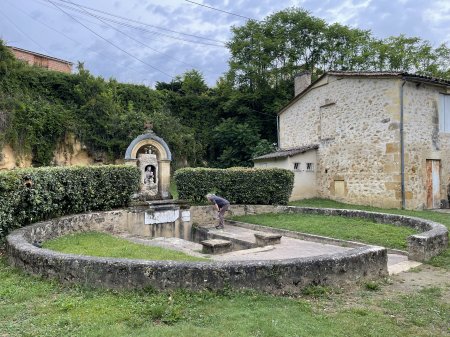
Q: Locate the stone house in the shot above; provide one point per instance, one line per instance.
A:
(41, 60)
(373, 138)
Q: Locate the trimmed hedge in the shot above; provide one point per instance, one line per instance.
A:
(36, 194)
(238, 185)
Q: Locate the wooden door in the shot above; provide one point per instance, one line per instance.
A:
(433, 184)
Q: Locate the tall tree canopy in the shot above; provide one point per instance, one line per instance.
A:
(270, 52)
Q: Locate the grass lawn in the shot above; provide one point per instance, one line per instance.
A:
(360, 230)
(30, 306)
(106, 245)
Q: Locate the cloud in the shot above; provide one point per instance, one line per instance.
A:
(437, 19)
(348, 11)
(438, 13)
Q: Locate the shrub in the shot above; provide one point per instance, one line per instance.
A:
(238, 185)
(35, 194)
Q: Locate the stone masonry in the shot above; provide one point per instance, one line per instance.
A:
(356, 122)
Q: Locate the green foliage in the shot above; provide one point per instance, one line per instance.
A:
(372, 286)
(235, 143)
(263, 147)
(56, 191)
(270, 52)
(238, 185)
(223, 126)
(193, 83)
(317, 291)
(36, 127)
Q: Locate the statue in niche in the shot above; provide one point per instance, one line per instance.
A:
(149, 175)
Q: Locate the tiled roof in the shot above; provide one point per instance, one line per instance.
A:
(288, 153)
(41, 55)
(405, 75)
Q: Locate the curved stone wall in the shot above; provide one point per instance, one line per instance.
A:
(279, 276)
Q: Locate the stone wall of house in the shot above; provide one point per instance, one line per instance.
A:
(356, 123)
(423, 142)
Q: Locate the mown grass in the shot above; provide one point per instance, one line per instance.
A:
(106, 245)
(33, 307)
(360, 230)
(442, 260)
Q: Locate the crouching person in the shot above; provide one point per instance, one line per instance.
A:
(221, 205)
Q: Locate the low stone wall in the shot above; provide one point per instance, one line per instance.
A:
(280, 276)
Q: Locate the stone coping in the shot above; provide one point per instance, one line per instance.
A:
(278, 277)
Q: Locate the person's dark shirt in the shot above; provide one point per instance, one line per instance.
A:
(219, 201)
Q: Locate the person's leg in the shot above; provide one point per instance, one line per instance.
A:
(222, 215)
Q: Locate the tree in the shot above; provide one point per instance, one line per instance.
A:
(193, 83)
(234, 143)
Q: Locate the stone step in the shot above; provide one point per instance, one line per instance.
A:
(402, 266)
(216, 246)
(266, 239)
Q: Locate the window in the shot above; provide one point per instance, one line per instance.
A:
(309, 167)
(297, 167)
(444, 113)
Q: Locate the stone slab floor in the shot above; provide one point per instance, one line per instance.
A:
(287, 249)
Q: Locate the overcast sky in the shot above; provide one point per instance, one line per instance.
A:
(179, 35)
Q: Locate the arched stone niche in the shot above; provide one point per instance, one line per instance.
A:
(152, 156)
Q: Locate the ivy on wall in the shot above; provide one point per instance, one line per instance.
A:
(43, 107)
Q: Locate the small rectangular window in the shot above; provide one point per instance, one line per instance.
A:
(309, 167)
(444, 113)
(296, 166)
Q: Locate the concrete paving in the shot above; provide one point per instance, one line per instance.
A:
(287, 249)
(442, 210)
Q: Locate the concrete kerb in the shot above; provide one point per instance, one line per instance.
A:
(278, 277)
